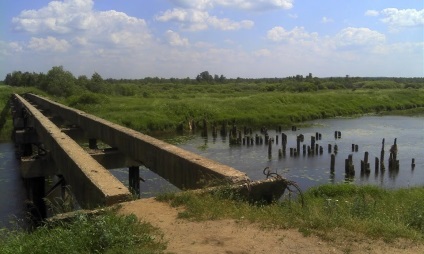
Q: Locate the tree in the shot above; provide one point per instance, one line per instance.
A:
(204, 76)
(96, 83)
(59, 82)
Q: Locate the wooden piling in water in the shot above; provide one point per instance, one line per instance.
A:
(413, 163)
(269, 149)
(365, 166)
(205, 128)
(393, 161)
(329, 148)
(337, 135)
(336, 149)
(349, 167)
(377, 163)
(224, 129)
(333, 163)
(298, 143)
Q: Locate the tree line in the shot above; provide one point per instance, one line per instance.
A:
(62, 83)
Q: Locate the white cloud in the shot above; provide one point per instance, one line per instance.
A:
(9, 48)
(48, 44)
(403, 18)
(372, 13)
(326, 20)
(254, 5)
(175, 39)
(56, 17)
(279, 34)
(76, 22)
(362, 37)
(196, 20)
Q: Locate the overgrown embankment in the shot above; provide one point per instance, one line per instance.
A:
(169, 110)
(334, 212)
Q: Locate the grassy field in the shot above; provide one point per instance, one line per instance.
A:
(167, 110)
(168, 107)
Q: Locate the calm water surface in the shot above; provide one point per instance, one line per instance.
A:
(12, 192)
(367, 132)
(307, 171)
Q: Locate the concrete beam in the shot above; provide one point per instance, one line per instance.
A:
(25, 136)
(92, 184)
(40, 166)
(44, 166)
(184, 169)
(112, 158)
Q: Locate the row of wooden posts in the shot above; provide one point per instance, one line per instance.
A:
(236, 138)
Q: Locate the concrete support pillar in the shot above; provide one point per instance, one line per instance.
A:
(92, 143)
(134, 180)
(37, 193)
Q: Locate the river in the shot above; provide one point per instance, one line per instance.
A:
(367, 132)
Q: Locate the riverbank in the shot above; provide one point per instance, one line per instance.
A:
(240, 235)
(335, 219)
(185, 107)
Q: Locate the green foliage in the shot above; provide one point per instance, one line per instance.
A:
(362, 210)
(85, 99)
(107, 233)
(152, 104)
(59, 82)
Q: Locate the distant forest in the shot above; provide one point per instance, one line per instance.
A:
(62, 83)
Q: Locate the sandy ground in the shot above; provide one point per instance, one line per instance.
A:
(235, 237)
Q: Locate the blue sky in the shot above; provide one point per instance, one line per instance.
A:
(236, 38)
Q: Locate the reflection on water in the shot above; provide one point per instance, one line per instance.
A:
(308, 171)
(12, 192)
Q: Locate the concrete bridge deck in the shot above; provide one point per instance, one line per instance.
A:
(91, 183)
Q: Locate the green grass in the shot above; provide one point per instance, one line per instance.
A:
(6, 125)
(169, 106)
(359, 210)
(166, 110)
(106, 233)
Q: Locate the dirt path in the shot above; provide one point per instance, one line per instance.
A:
(230, 237)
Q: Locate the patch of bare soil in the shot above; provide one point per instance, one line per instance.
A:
(231, 237)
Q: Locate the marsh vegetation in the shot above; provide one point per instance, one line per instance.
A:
(164, 105)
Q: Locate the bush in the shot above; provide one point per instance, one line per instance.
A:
(87, 99)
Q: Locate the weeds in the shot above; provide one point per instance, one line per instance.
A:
(362, 210)
(106, 233)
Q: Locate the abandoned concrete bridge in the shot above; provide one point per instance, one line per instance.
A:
(48, 137)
